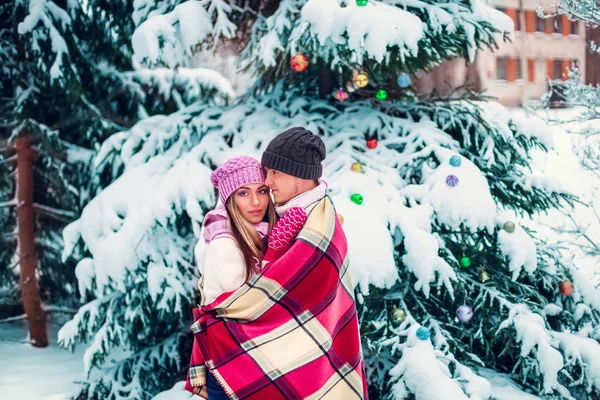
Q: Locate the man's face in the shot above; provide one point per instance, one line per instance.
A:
(283, 186)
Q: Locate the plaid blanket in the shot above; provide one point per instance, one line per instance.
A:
(290, 332)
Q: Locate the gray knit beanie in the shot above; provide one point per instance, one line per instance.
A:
(297, 152)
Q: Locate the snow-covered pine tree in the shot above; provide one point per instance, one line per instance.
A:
(68, 83)
(435, 197)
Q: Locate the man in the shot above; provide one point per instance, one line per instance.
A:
(293, 164)
(291, 332)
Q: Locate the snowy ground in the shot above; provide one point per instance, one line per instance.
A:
(27, 373)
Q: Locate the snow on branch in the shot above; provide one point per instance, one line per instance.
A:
(532, 333)
(9, 203)
(63, 215)
(423, 371)
(382, 32)
(169, 39)
(183, 85)
(43, 17)
(584, 10)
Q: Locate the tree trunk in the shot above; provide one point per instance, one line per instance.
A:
(325, 80)
(26, 250)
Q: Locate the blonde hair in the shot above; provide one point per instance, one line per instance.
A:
(249, 241)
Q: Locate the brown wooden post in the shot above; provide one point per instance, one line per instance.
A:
(30, 292)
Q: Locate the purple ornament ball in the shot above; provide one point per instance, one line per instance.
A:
(452, 180)
(464, 313)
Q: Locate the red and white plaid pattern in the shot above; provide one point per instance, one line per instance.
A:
(290, 332)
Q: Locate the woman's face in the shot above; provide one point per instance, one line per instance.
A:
(252, 200)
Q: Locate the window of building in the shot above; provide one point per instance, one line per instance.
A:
(540, 24)
(519, 68)
(557, 69)
(501, 68)
(558, 24)
(529, 21)
(574, 28)
(531, 70)
(549, 25)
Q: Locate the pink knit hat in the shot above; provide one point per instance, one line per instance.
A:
(235, 173)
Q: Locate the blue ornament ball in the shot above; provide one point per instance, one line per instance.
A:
(404, 81)
(452, 180)
(423, 333)
(455, 161)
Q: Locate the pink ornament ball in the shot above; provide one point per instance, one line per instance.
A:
(464, 313)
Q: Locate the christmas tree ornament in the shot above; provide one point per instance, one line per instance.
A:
(372, 143)
(361, 3)
(423, 333)
(361, 80)
(404, 80)
(398, 315)
(464, 313)
(484, 276)
(452, 180)
(455, 161)
(356, 198)
(341, 219)
(509, 226)
(465, 262)
(566, 288)
(341, 95)
(299, 63)
(381, 94)
(357, 167)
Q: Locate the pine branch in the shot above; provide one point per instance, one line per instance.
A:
(10, 203)
(570, 10)
(61, 215)
(8, 160)
(12, 319)
(60, 309)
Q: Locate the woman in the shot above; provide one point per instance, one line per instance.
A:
(234, 235)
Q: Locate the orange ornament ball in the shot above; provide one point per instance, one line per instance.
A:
(299, 63)
(566, 288)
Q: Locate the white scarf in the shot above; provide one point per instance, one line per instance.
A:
(307, 200)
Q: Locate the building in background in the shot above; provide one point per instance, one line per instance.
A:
(542, 49)
(592, 58)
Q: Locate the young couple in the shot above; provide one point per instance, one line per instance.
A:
(278, 319)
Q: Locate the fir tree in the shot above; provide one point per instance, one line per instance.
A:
(68, 83)
(435, 198)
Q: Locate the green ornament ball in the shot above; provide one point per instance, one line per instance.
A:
(381, 94)
(465, 262)
(509, 226)
(361, 2)
(356, 198)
